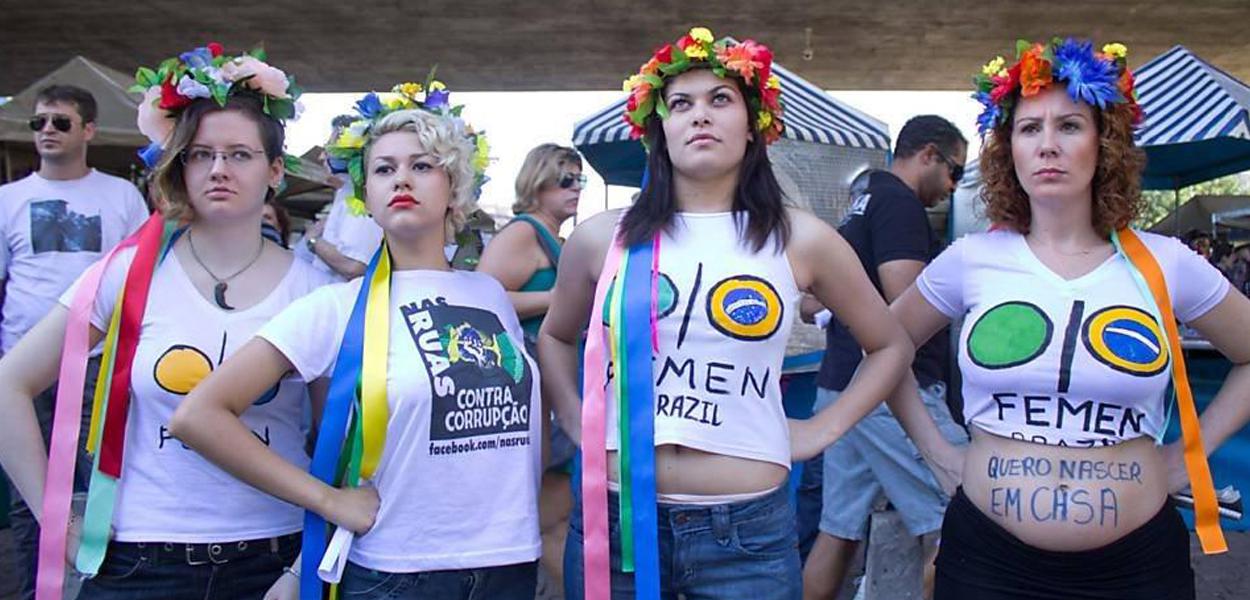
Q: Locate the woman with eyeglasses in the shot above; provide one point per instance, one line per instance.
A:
(178, 527)
(523, 257)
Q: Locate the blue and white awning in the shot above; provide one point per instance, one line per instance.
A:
(1197, 123)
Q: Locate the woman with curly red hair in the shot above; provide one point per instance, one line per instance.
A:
(1067, 348)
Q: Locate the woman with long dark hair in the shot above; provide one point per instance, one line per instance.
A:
(688, 298)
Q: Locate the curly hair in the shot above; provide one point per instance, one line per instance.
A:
(447, 140)
(1116, 184)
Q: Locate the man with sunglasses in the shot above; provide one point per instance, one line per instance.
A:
(889, 229)
(55, 223)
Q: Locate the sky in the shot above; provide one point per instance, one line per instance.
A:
(517, 121)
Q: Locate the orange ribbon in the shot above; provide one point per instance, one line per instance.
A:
(1206, 508)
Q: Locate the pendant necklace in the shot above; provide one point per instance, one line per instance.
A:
(219, 290)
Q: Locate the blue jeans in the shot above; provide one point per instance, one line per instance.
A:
(508, 582)
(740, 551)
(25, 528)
(141, 572)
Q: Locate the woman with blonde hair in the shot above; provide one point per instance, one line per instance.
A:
(429, 446)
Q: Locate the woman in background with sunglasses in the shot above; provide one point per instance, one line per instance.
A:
(523, 257)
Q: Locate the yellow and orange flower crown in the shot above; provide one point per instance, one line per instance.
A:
(748, 60)
(1095, 78)
(433, 96)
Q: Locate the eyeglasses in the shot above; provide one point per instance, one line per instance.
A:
(62, 123)
(200, 157)
(956, 169)
(568, 179)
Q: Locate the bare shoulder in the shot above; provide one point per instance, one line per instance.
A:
(588, 245)
(807, 231)
(516, 234)
(597, 231)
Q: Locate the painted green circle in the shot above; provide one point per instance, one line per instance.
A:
(667, 298)
(1008, 335)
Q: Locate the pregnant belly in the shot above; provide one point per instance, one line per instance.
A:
(1065, 499)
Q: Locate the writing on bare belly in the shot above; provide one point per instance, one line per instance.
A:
(1074, 491)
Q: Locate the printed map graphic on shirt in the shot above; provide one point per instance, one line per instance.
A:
(55, 228)
(480, 379)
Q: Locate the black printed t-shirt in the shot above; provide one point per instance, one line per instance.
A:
(885, 222)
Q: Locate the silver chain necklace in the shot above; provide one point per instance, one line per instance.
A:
(219, 290)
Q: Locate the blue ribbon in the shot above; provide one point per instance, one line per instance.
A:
(637, 331)
(344, 387)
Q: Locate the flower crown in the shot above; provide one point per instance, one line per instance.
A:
(206, 72)
(432, 97)
(1095, 78)
(750, 61)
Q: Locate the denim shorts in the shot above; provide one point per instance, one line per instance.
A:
(133, 571)
(738, 551)
(508, 582)
(876, 457)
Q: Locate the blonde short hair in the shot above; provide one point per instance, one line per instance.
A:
(543, 166)
(447, 140)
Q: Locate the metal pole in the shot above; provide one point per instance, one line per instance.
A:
(1176, 209)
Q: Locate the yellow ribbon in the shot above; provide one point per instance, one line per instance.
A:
(375, 411)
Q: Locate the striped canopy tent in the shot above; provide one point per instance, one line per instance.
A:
(811, 116)
(1197, 123)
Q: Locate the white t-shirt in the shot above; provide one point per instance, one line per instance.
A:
(52, 231)
(1078, 362)
(355, 237)
(724, 315)
(460, 469)
(168, 492)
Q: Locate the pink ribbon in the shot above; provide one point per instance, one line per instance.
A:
(58, 487)
(595, 551)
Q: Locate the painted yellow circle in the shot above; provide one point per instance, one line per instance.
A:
(181, 368)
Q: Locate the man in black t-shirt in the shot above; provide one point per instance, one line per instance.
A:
(889, 229)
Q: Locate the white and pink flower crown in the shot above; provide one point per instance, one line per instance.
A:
(206, 72)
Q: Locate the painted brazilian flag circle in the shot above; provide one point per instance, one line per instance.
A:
(1128, 340)
(1009, 335)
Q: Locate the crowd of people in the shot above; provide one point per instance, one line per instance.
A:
(237, 419)
(1232, 261)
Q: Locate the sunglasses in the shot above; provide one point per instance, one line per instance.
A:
(62, 123)
(568, 179)
(956, 169)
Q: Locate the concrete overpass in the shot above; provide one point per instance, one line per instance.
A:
(482, 45)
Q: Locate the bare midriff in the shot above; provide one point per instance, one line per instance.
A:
(686, 471)
(1062, 498)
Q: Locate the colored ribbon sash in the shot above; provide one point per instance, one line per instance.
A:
(631, 340)
(152, 239)
(1149, 276)
(356, 410)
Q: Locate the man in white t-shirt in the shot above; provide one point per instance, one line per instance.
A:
(342, 243)
(54, 224)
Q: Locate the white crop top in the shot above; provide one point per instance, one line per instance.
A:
(725, 314)
(1078, 362)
